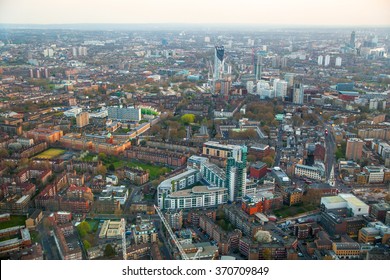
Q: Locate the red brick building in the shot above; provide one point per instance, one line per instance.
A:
(258, 170)
(154, 155)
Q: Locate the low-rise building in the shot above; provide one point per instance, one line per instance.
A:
(67, 242)
(346, 250)
(116, 193)
(349, 202)
(144, 232)
(261, 202)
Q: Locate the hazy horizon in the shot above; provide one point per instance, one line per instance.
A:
(304, 13)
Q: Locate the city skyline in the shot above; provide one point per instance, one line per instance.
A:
(279, 12)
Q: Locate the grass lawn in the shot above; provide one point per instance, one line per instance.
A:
(289, 211)
(15, 221)
(155, 170)
(50, 153)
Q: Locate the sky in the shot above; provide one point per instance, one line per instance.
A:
(252, 12)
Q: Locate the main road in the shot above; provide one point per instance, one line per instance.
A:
(330, 148)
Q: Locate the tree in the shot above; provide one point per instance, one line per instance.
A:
(83, 228)
(251, 158)
(188, 118)
(102, 170)
(312, 197)
(267, 253)
(109, 251)
(102, 156)
(111, 167)
(4, 153)
(268, 160)
(86, 244)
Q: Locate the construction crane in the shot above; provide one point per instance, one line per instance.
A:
(174, 238)
(124, 251)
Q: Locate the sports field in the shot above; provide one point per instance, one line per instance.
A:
(50, 153)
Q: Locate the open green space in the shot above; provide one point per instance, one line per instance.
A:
(15, 221)
(290, 211)
(50, 153)
(94, 224)
(155, 171)
(87, 232)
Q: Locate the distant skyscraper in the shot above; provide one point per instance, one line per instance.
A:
(298, 94)
(338, 61)
(353, 39)
(327, 60)
(207, 39)
(218, 62)
(320, 60)
(258, 66)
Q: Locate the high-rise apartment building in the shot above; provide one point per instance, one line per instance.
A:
(298, 94)
(338, 62)
(82, 119)
(327, 60)
(235, 169)
(354, 149)
(280, 88)
(320, 60)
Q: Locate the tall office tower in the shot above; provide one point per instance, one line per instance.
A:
(249, 87)
(327, 60)
(280, 88)
(74, 51)
(82, 119)
(320, 60)
(338, 61)
(298, 94)
(258, 66)
(207, 39)
(353, 39)
(354, 149)
(218, 62)
(289, 78)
